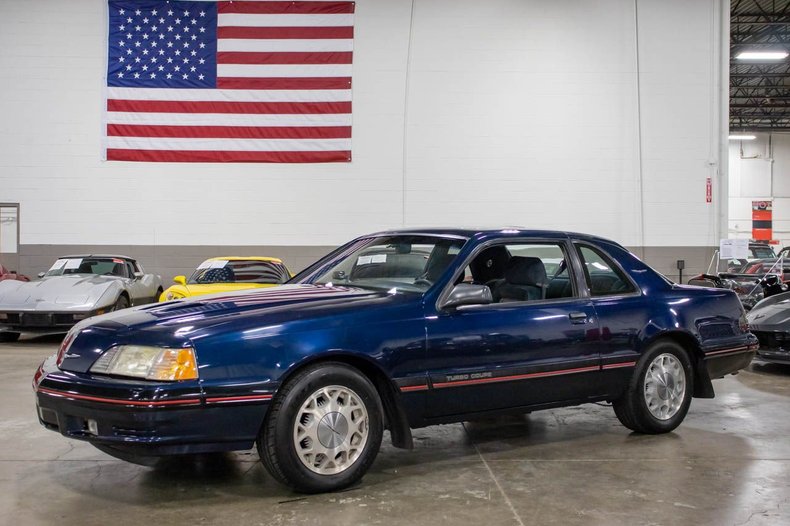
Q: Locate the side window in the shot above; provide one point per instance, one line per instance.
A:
(603, 277)
(130, 269)
(522, 272)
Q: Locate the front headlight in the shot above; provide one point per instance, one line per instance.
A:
(169, 295)
(151, 363)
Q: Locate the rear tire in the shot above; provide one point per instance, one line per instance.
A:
(323, 429)
(659, 392)
(8, 336)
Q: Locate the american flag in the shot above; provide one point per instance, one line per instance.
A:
(234, 81)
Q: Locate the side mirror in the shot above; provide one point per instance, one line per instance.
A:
(41, 274)
(468, 294)
(138, 275)
(181, 280)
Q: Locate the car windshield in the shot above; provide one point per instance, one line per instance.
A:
(762, 252)
(403, 263)
(239, 271)
(89, 265)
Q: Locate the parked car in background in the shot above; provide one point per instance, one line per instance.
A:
(450, 324)
(769, 320)
(759, 250)
(11, 274)
(752, 281)
(73, 289)
(228, 274)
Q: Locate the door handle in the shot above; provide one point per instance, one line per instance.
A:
(578, 317)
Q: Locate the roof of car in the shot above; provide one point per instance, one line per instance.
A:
(502, 231)
(245, 258)
(117, 256)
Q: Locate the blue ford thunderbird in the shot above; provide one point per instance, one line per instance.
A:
(395, 330)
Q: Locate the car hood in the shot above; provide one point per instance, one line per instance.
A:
(278, 304)
(772, 313)
(55, 292)
(186, 322)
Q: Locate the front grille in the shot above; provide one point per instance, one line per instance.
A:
(12, 318)
(772, 340)
(132, 432)
(63, 319)
(36, 320)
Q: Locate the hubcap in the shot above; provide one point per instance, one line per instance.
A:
(331, 430)
(665, 386)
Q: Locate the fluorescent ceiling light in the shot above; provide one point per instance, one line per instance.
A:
(762, 55)
(742, 137)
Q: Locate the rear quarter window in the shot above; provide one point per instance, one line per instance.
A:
(603, 276)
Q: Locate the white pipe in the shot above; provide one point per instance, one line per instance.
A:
(640, 174)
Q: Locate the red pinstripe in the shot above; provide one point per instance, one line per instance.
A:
(117, 401)
(253, 398)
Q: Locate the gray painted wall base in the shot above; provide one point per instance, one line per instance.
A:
(170, 261)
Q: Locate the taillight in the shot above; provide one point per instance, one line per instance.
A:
(743, 323)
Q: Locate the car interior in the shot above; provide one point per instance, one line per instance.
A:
(540, 272)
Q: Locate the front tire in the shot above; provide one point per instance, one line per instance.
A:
(122, 303)
(323, 430)
(659, 392)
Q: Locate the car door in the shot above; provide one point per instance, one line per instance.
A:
(510, 354)
(621, 309)
(138, 289)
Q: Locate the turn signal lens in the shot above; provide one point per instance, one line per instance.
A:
(151, 363)
(174, 364)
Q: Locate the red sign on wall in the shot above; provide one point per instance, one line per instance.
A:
(762, 220)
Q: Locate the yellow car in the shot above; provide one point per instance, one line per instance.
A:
(229, 274)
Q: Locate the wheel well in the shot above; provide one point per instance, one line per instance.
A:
(394, 418)
(125, 295)
(703, 387)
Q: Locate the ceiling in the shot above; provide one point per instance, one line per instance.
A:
(759, 90)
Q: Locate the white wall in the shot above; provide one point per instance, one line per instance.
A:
(760, 169)
(513, 112)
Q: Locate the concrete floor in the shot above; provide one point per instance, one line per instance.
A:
(729, 463)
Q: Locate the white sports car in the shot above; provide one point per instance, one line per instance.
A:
(74, 288)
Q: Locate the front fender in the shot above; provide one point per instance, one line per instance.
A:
(108, 295)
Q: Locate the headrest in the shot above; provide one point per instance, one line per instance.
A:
(490, 263)
(525, 271)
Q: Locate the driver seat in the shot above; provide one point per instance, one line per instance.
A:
(525, 280)
(436, 267)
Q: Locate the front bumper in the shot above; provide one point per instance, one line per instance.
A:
(146, 418)
(774, 346)
(36, 321)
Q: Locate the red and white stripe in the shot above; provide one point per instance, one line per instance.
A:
(283, 93)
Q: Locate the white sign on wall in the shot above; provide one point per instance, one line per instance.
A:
(734, 249)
